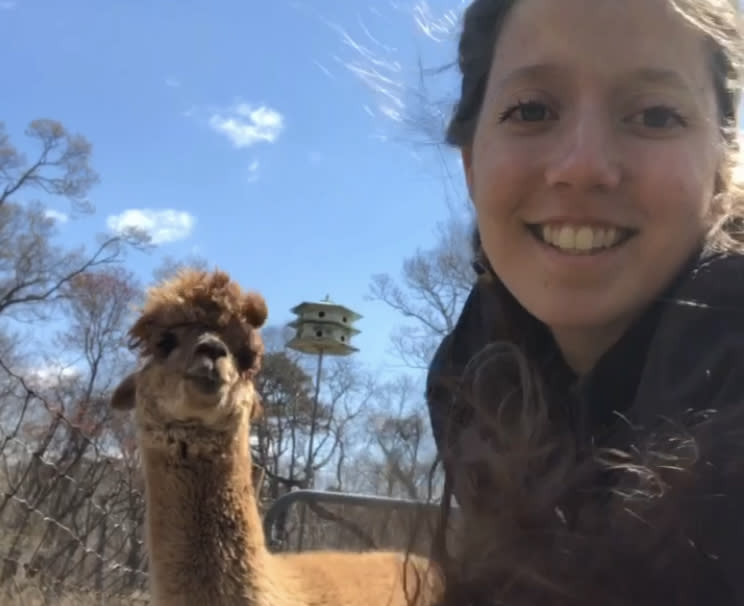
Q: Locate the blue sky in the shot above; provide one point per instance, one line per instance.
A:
(266, 137)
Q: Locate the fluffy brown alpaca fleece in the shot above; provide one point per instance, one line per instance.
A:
(194, 400)
(645, 523)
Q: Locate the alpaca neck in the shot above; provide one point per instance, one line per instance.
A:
(205, 538)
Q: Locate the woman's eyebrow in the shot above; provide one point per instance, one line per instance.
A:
(659, 76)
(530, 72)
(646, 75)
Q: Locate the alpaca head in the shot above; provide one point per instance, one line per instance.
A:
(200, 350)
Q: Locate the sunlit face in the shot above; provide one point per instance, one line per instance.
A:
(594, 160)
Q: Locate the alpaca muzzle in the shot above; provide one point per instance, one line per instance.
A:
(203, 372)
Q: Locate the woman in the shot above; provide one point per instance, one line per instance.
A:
(589, 405)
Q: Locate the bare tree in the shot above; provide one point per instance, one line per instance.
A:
(283, 434)
(70, 473)
(62, 478)
(59, 168)
(430, 292)
(286, 391)
(33, 269)
(100, 304)
(401, 434)
(348, 390)
(390, 447)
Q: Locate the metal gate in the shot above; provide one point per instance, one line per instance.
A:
(276, 516)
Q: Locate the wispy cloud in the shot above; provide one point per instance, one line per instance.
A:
(56, 216)
(161, 225)
(6, 5)
(253, 173)
(246, 125)
(399, 93)
(376, 64)
(324, 69)
(190, 112)
(437, 27)
(172, 82)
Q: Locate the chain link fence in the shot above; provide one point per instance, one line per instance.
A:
(71, 505)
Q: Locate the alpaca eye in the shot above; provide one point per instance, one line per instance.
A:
(167, 343)
(245, 359)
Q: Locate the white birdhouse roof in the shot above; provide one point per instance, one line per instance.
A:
(328, 306)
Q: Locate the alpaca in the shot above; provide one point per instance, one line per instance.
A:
(193, 399)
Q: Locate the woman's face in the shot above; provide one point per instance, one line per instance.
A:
(594, 161)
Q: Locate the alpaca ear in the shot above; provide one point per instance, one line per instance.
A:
(255, 310)
(123, 397)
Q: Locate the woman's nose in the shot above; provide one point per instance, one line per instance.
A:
(586, 157)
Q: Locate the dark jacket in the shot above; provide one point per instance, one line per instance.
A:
(637, 495)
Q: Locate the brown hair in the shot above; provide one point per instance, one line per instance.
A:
(543, 525)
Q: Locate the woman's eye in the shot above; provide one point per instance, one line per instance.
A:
(528, 111)
(167, 343)
(658, 117)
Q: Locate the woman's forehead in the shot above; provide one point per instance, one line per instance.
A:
(607, 38)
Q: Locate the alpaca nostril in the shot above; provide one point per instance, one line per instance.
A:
(212, 349)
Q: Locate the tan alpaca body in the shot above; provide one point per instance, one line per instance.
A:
(194, 402)
(205, 563)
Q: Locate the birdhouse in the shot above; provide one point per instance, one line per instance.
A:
(323, 327)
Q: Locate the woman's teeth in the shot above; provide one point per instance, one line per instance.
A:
(580, 238)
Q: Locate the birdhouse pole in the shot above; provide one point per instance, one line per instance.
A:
(321, 328)
(309, 472)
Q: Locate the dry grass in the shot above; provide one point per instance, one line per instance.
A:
(29, 594)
